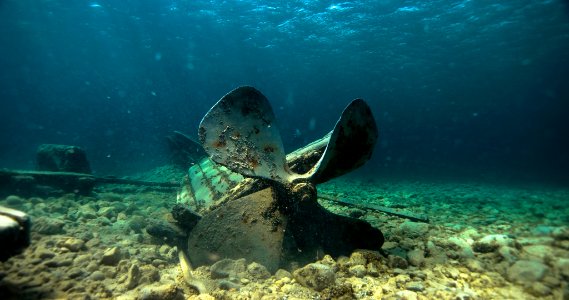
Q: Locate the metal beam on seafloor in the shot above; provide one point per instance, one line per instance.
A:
(383, 209)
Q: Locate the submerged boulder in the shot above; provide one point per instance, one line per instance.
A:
(62, 158)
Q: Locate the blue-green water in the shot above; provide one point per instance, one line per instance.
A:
(469, 87)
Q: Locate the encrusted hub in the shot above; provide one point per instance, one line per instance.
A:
(304, 193)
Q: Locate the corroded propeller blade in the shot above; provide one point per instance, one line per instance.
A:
(241, 133)
(250, 227)
(350, 145)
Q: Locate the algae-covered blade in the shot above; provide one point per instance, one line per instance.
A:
(207, 183)
(241, 133)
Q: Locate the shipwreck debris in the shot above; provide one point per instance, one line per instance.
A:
(273, 216)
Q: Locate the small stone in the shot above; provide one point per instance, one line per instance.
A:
(48, 226)
(526, 271)
(58, 262)
(563, 266)
(13, 200)
(163, 292)
(137, 223)
(451, 273)
(414, 229)
(257, 271)
(415, 286)
(73, 244)
(416, 257)
(315, 276)
(92, 242)
(148, 274)
(372, 270)
(66, 285)
(406, 295)
(97, 276)
(328, 260)
(92, 267)
(358, 271)
(475, 265)
(539, 289)
(107, 212)
(133, 277)
(561, 233)
(46, 254)
(159, 263)
(111, 257)
(508, 253)
(75, 273)
(491, 243)
(397, 262)
(464, 249)
(280, 274)
(82, 259)
(87, 212)
(169, 254)
(357, 258)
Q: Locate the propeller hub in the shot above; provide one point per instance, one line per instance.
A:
(304, 193)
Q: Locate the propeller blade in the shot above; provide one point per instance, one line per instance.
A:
(350, 145)
(240, 132)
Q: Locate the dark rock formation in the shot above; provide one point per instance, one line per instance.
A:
(62, 158)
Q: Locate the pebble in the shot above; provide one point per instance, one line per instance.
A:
(539, 289)
(75, 273)
(475, 265)
(358, 271)
(73, 244)
(406, 295)
(357, 258)
(162, 292)
(13, 200)
(111, 257)
(133, 276)
(257, 271)
(48, 226)
(315, 276)
(491, 243)
(414, 229)
(562, 265)
(46, 254)
(397, 262)
(107, 212)
(465, 250)
(280, 274)
(416, 257)
(97, 276)
(77, 269)
(526, 271)
(372, 270)
(415, 286)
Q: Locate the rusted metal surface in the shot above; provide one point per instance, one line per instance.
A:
(273, 217)
(200, 193)
(241, 133)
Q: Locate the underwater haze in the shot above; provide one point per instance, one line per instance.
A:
(474, 88)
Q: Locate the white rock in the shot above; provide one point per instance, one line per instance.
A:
(526, 271)
(493, 242)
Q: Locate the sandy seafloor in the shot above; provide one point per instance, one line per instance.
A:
(484, 241)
